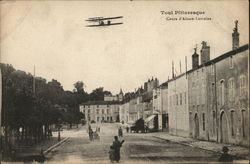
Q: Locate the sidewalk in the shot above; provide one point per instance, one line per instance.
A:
(37, 149)
(238, 151)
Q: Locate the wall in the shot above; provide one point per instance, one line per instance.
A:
(197, 98)
(178, 108)
(233, 100)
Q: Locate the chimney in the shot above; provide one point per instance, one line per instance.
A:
(146, 86)
(235, 36)
(195, 59)
(205, 52)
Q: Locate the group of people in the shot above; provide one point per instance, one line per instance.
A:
(114, 152)
(93, 134)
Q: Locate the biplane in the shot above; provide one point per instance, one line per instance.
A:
(101, 21)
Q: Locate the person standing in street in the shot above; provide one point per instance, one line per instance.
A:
(127, 128)
(111, 154)
(120, 133)
(117, 146)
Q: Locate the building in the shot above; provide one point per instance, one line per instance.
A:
(101, 111)
(124, 112)
(164, 106)
(229, 109)
(151, 84)
(110, 97)
(197, 94)
(218, 95)
(160, 105)
(178, 112)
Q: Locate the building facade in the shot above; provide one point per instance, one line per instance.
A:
(197, 95)
(232, 96)
(101, 111)
(178, 106)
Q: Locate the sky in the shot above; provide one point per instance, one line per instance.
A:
(53, 37)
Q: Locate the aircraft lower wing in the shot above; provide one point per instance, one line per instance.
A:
(104, 25)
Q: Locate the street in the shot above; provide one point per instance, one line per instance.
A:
(137, 148)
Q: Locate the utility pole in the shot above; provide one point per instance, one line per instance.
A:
(180, 67)
(172, 69)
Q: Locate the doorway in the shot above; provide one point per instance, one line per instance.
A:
(196, 125)
(223, 128)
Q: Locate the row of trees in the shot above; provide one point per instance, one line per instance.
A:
(30, 108)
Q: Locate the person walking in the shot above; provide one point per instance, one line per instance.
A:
(90, 133)
(120, 133)
(127, 128)
(111, 154)
(117, 146)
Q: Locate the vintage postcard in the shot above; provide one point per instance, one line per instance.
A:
(124, 81)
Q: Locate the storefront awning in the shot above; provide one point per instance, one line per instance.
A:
(149, 118)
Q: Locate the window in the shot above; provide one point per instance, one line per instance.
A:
(97, 111)
(176, 99)
(222, 92)
(103, 111)
(231, 62)
(214, 122)
(185, 97)
(243, 121)
(111, 119)
(97, 106)
(203, 121)
(212, 69)
(88, 110)
(242, 85)
(170, 97)
(231, 89)
(97, 119)
(180, 99)
(232, 123)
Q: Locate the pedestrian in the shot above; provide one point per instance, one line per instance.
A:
(127, 128)
(117, 146)
(225, 157)
(90, 134)
(120, 133)
(146, 128)
(111, 154)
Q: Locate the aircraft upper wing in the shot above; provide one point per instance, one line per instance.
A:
(96, 19)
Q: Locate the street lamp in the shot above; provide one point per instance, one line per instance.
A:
(59, 127)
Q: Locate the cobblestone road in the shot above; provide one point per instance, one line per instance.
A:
(137, 148)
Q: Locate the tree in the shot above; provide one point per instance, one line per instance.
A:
(79, 86)
(98, 94)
